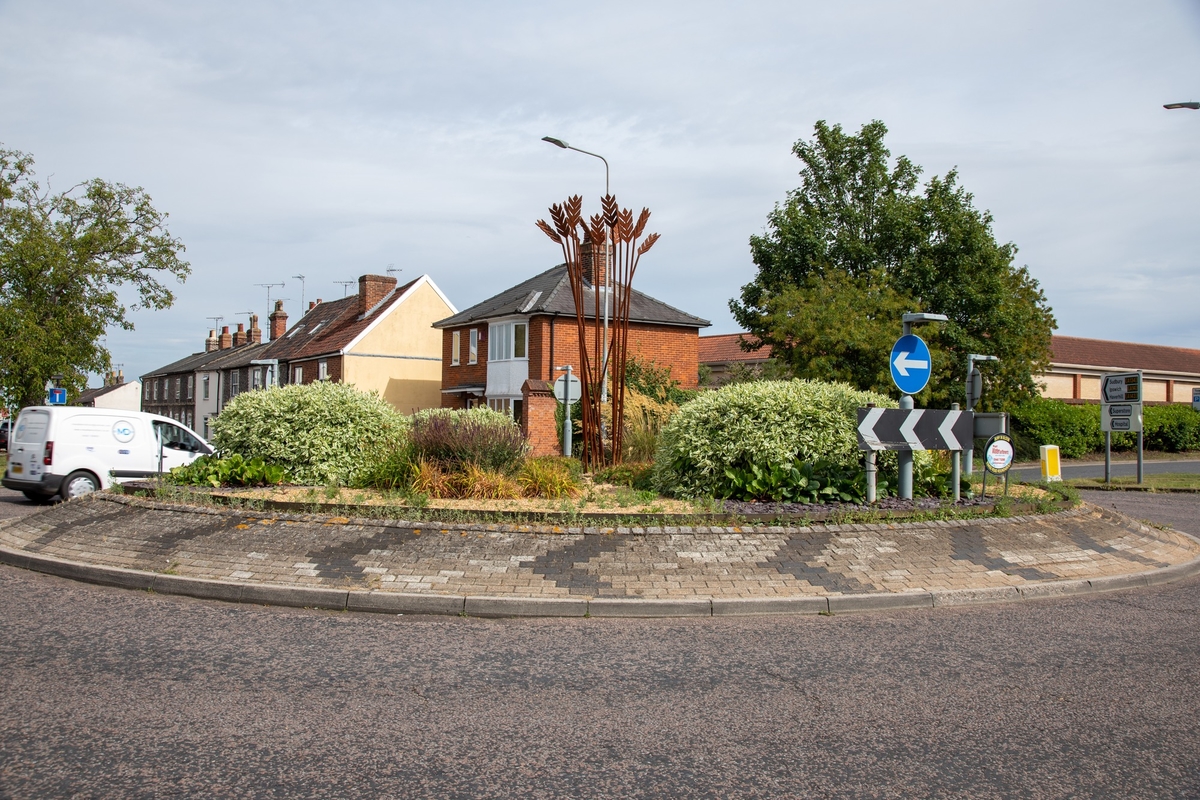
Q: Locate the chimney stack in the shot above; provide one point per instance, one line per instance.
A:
(278, 319)
(224, 341)
(372, 289)
(211, 343)
(254, 335)
(594, 262)
(239, 336)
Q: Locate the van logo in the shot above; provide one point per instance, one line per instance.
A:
(122, 431)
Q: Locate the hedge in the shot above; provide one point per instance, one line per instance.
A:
(1076, 430)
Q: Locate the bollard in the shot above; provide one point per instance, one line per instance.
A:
(1051, 465)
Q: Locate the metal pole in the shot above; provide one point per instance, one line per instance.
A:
(1140, 464)
(905, 457)
(956, 467)
(1107, 457)
(567, 415)
(869, 468)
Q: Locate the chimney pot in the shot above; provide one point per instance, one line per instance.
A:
(254, 335)
(278, 319)
(224, 341)
(211, 343)
(372, 289)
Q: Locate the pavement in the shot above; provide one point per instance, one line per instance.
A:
(394, 566)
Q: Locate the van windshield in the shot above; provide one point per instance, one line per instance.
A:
(31, 427)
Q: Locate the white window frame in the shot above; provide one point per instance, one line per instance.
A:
(322, 370)
(178, 387)
(255, 377)
(504, 341)
(298, 374)
(455, 348)
(190, 387)
(473, 352)
(235, 380)
(204, 387)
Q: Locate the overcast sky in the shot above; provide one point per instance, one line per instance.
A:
(332, 140)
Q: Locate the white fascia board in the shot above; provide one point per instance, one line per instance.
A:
(418, 283)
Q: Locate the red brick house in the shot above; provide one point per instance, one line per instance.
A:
(499, 350)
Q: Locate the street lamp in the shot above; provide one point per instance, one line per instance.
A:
(1193, 105)
(607, 266)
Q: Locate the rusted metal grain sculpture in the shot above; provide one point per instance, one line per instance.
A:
(615, 232)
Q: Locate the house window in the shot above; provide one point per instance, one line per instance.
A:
(235, 379)
(156, 390)
(322, 370)
(204, 385)
(146, 390)
(299, 375)
(178, 388)
(191, 385)
(506, 341)
(455, 348)
(255, 378)
(509, 406)
(473, 352)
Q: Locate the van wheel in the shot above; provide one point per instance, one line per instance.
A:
(78, 484)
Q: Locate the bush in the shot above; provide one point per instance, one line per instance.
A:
(480, 437)
(798, 482)
(638, 475)
(1173, 428)
(550, 476)
(232, 471)
(766, 423)
(322, 433)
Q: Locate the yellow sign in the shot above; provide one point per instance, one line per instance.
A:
(1051, 466)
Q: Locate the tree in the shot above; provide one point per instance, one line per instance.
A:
(65, 259)
(861, 242)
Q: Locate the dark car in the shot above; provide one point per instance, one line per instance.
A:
(5, 426)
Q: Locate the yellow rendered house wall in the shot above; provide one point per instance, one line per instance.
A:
(412, 383)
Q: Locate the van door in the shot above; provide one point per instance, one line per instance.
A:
(178, 447)
(28, 444)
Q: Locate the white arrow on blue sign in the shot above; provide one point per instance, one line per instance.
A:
(910, 363)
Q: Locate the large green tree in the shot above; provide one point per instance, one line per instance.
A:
(861, 242)
(66, 259)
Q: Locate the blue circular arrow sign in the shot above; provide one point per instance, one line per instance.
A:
(910, 363)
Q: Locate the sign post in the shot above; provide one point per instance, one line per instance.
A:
(1121, 410)
(998, 456)
(911, 366)
(1195, 399)
(567, 390)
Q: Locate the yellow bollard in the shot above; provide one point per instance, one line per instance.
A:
(1051, 467)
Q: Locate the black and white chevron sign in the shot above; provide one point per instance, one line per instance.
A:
(914, 429)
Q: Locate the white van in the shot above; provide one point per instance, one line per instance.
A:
(70, 451)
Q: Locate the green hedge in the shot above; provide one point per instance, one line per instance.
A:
(1076, 428)
(765, 423)
(321, 433)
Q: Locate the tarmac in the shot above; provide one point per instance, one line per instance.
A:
(399, 567)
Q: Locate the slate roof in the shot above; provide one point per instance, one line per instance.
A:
(186, 364)
(724, 348)
(550, 293)
(89, 395)
(1123, 355)
(329, 327)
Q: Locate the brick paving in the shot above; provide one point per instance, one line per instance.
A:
(544, 562)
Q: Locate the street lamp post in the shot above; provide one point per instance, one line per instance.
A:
(607, 267)
(1192, 104)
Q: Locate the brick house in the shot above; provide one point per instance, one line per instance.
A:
(380, 339)
(500, 350)
(721, 352)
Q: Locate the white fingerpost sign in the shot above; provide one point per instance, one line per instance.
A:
(1121, 402)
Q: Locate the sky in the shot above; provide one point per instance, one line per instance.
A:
(335, 140)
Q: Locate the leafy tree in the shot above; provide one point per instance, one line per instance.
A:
(64, 260)
(861, 242)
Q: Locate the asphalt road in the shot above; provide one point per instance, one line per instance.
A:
(110, 693)
(1120, 468)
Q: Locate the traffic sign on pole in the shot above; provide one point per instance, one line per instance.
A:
(58, 397)
(561, 392)
(910, 363)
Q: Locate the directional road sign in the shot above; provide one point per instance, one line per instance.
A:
(1121, 387)
(1196, 399)
(914, 429)
(910, 363)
